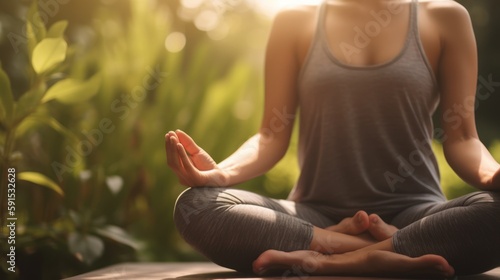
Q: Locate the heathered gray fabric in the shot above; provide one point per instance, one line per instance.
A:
(365, 132)
(233, 227)
(465, 231)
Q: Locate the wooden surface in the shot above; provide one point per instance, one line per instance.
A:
(186, 271)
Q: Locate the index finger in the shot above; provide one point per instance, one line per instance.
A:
(191, 147)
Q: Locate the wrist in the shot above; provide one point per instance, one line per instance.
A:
(490, 181)
(220, 178)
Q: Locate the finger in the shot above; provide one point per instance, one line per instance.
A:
(186, 162)
(190, 173)
(175, 159)
(168, 149)
(191, 147)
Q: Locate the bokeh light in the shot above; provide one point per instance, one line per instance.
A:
(175, 42)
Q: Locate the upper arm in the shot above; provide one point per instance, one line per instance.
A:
(282, 69)
(457, 75)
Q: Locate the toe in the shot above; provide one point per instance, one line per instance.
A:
(354, 225)
(379, 229)
(358, 224)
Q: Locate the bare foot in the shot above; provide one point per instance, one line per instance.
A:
(358, 224)
(373, 263)
(379, 229)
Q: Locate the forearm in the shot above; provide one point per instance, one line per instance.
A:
(254, 158)
(470, 159)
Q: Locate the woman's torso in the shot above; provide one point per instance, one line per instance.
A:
(367, 92)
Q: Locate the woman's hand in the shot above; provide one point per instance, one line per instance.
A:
(193, 166)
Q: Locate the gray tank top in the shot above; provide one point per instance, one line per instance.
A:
(366, 132)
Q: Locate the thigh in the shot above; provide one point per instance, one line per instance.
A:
(199, 199)
(421, 211)
(464, 231)
(233, 227)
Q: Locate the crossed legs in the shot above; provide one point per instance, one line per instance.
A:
(378, 259)
(236, 229)
(459, 236)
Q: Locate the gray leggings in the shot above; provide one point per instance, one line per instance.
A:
(233, 227)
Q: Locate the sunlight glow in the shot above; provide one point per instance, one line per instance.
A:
(271, 7)
(206, 14)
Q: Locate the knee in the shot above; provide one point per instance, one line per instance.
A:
(191, 204)
(491, 199)
(200, 216)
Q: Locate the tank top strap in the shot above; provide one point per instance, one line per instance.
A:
(414, 19)
(321, 16)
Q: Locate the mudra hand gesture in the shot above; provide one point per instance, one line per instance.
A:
(193, 166)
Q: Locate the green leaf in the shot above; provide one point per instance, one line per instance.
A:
(48, 53)
(117, 234)
(86, 246)
(57, 29)
(28, 102)
(37, 119)
(35, 27)
(70, 91)
(41, 180)
(6, 99)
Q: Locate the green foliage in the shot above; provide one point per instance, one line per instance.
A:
(41, 180)
(71, 91)
(7, 102)
(48, 54)
(28, 102)
(57, 29)
(98, 151)
(86, 235)
(36, 30)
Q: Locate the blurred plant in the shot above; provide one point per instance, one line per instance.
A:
(101, 143)
(85, 236)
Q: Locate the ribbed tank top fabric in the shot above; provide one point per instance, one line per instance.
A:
(366, 131)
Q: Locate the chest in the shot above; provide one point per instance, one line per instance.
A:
(370, 37)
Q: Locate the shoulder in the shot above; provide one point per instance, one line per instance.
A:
(446, 13)
(297, 11)
(296, 16)
(292, 24)
(450, 20)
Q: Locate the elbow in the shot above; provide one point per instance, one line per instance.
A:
(275, 146)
